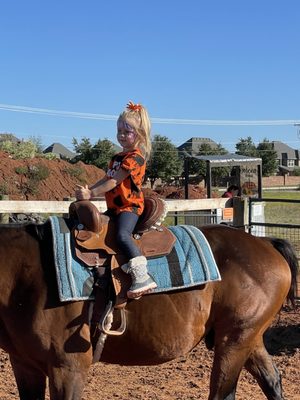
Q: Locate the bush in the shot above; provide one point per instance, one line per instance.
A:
(49, 156)
(19, 150)
(296, 172)
(38, 172)
(21, 170)
(4, 188)
(34, 174)
(76, 172)
(30, 187)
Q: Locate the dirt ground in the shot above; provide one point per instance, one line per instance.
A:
(188, 377)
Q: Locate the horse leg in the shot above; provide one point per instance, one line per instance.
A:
(260, 365)
(229, 359)
(31, 382)
(66, 382)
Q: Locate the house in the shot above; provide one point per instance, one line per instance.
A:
(9, 137)
(287, 157)
(60, 151)
(192, 146)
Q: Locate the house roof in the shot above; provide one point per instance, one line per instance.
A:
(283, 168)
(10, 137)
(59, 150)
(194, 143)
(282, 148)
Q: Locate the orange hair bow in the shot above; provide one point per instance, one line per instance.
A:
(134, 107)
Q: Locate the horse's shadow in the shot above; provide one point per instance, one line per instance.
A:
(283, 337)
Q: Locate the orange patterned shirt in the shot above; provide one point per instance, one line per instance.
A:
(128, 195)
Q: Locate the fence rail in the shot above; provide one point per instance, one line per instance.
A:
(62, 207)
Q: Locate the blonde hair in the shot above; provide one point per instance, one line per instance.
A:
(137, 116)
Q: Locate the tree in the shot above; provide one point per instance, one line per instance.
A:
(83, 150)
(37, 141)
(207, 150)
(98, 155)
(102, 153)
(246, 147)
(164, 162)
(264, 150)
(268, 156)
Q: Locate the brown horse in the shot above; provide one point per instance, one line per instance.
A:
(45, 338)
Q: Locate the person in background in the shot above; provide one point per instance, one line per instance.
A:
(232, 191)
(122, 187)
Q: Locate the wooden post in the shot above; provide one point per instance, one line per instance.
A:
(208, 179)
(4, 218)
(240, 212)
(186, 178)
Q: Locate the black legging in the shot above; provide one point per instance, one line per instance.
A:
(126, 222)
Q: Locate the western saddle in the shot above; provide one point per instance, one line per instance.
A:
(95, 245)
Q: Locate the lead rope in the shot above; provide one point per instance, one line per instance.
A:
(104, 325)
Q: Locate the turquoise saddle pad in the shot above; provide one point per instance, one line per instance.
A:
(189, 264)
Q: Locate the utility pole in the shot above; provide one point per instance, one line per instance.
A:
(297, 125)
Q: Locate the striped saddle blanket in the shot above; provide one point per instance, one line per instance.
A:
(190, 263)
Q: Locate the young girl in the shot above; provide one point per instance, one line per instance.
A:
(122, 186)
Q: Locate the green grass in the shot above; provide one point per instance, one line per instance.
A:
(281, 194)
(171, 220)
(282, 213)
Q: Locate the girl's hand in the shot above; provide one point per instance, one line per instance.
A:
(83, 193)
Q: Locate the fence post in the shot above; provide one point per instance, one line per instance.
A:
(4, 218)
(240, 212)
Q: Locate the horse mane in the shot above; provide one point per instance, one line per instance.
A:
(37, 231)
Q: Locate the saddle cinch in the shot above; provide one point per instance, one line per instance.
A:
(94, 238)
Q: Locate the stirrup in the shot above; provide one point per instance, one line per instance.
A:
(107, 319)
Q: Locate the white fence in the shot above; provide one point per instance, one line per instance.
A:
(62, 207)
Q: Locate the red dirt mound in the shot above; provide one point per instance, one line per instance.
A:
(173, 192)
(60, 183)
(62, 179)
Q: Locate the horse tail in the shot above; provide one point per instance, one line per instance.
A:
(286, 249)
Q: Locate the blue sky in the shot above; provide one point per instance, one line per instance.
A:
(184, 60)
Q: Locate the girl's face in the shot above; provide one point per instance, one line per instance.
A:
(126, 135)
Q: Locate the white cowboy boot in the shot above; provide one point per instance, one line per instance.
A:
(142, 282)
